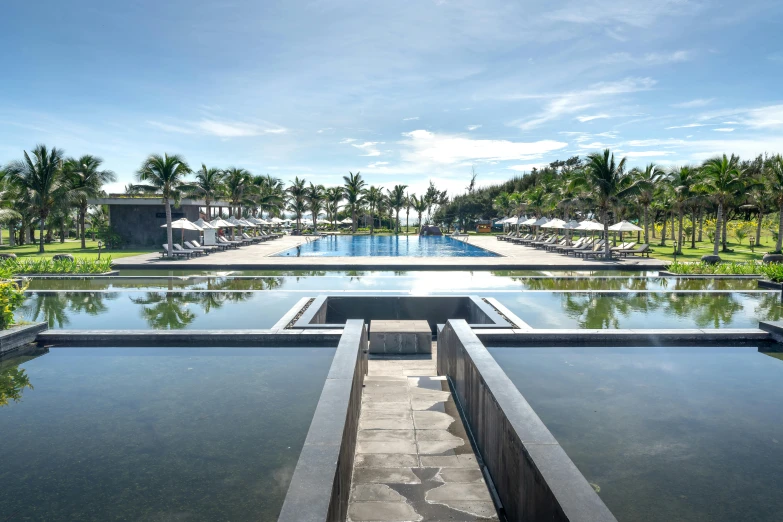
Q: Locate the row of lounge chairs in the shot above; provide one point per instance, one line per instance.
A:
(585, 247)
(194, 248)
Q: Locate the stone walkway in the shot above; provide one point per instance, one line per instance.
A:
(413, 459)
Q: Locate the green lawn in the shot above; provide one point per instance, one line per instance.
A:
(70, 247)
(741, 252)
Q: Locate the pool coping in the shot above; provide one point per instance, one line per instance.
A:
(189, 338)
(321, 483)
(534, 477)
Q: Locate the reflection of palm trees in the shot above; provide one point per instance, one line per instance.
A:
(52, 307)
(14, 380)
(769, 307)
(166, 311)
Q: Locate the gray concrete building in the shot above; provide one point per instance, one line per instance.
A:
(138, 220)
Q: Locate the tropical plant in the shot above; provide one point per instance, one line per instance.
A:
(296, 199)
(315, 196)
(396, 202)
(209, 184)
(651, 176)
(85, 180)
(374, 198)
(164, 175)
(420, 206)
(40, 176)
(721, 179)
(238, 183)
(774, 178)
(334, 195)
(354, 195)
(607, 181)
(11, 297)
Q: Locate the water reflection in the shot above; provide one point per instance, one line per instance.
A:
(170, 310)
(53, 307)
(13, 379)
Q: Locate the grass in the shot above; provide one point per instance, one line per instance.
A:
(70, 247)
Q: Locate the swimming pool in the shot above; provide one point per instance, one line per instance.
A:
(390, 246)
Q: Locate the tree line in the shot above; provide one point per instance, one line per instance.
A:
(599, 185)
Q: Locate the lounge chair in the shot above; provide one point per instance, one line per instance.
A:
(231, 244)
(551, 241)
(174, 252)
(195, 251)
(576, 244)
(553, 246)
(642, 250)
(217, 246)
(196, 245)
(586, 248)
(518, 239)
(254, 239)
(504, 237)
(598, 247)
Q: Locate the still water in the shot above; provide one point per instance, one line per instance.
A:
(173, 310)
(154, 434)
(686, 434)
(388, 246)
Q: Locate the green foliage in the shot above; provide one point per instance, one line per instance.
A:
(13, 381)
(110, 238)
(60, 266)
(772, 271)
(11, 298)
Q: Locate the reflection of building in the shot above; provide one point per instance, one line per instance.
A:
(139, 220)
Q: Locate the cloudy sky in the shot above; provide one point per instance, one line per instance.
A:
(404, 91)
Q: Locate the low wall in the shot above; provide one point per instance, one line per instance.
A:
(533, 476)
(321, 483)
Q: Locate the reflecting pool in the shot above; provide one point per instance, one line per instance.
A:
(154, 434)
(392, 246)
(687, 434)
(643, 309)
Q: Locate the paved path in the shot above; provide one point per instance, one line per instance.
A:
(413, 460)
(512, 257)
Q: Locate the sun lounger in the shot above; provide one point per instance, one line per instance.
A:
(175, 253)
(195, 244)
(553, 246)
(597, 248)
(195, 251)
(254, 239)
(576, 244)
(232, 244)
(642, 250)
(586, 248)
(551, 241)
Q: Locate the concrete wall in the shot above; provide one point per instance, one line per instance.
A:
(533, 476)
(321, 483)
(140, 225)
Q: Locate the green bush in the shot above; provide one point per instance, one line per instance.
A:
(110, 238)
(11, 297)
(749, 268)
(773, 272)
(60, 266)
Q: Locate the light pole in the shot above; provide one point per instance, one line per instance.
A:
(99, 249)
(752, 243)
(675, 250)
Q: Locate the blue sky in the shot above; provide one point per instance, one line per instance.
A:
(403, 91)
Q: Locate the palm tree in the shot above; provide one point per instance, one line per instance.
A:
(721, 179)
(85, 179)
(354, 194)
(296, 192)
(651, 176)
(374, 198)
(775, 183)
(408, 205)
(682, 180)
(269, 194)
(420, 206)
(315, 196)
(397, 201)
(238, 183)
(41, 177)
(208, 184)
(334, 195)
(606, 180)
(164, 175)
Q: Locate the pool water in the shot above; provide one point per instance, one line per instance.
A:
(155, 433)
(686, 434)
(393, 246)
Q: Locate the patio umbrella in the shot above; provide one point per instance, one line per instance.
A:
(203, 224)
(623, 226)
(555, 223)
(276, 220)
(347, 221)
(221, 223)
(183, 224)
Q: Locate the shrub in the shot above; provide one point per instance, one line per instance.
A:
(11, 297)
(60, 266)
(110, 238)
(750, 268)
(773, 272)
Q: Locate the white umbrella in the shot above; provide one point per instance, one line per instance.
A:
(571, 225)
(183, 224)
(221, 223)
(624, 226)
(347, 221)
(245, 223)
(541, 221)
(203, 224)
(555, 223)
(523, 221)
(590, 225)
(276, 220)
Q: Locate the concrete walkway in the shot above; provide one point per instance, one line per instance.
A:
(413, 459)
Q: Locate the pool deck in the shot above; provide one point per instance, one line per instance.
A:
(413, 459)
(260, 257)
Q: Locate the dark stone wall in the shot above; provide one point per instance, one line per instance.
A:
(321, 483)
(533, 476)
(140, 225)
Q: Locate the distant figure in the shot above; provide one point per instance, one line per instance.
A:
(430, 230)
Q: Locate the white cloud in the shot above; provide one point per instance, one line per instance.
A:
(425, 146)
(527, 167)
(345, 141)
(585, 119)
(654, 143)
(577, 101)
(693, 104)
(411, 118)
(649, 58)
(377, 164)
(473, 127)
(647, 153)
(370, 147)
(634, 13)
(767, 117)
(688, 126)
(724, 129)
(222, 129)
